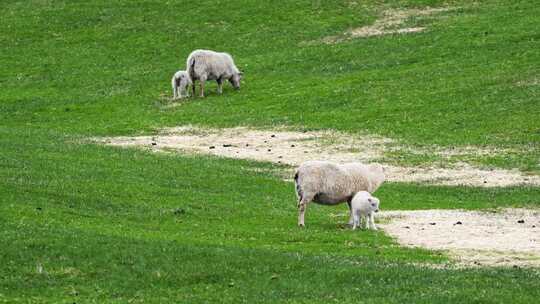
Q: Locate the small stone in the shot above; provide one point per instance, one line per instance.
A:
(521, 221)
(458, 223)
(407, 227)
(269, 150)
(433, 223)
(280, 156)
(265, 141)
(212, 147)
(153, 143)
(247, 145)
(227, 145)
(273, 135)
(292, 146)
(485, 182)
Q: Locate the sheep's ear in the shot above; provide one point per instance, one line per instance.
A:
(369, 200)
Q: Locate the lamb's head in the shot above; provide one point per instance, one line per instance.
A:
(373, 204)
(235, 80)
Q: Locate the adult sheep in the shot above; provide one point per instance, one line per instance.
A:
(206, 65)
(327, 183)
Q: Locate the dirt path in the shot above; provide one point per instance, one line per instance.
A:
(292, 148)
(508, 237)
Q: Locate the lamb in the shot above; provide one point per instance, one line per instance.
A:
(180, 83)
(364, 205)
(328, 183)
(206, 65)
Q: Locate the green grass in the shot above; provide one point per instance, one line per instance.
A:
(100, 68)
(117, 225)
(110, 225)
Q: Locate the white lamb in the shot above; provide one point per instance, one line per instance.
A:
(180, 82)
(328, 183)
(363, 205)
(206, 65)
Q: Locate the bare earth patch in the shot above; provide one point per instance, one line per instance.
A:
(390, 22)
(293, 148)
(507, 237)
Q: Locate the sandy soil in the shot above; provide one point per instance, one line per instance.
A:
(292, 148)
(507, 237)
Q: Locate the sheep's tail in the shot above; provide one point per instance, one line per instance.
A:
(299, 193)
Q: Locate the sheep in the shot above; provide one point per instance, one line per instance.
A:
(364, 205)
(206, 65)
(328, 183)
(180, 83)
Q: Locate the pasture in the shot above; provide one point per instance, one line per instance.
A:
(84, 222)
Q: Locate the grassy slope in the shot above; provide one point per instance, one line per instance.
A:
(102, 221)
(112, 225)
(102, 69)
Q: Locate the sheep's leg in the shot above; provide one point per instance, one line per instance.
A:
(220, 85)
(372, 221)
(301, 213)
(302, 206)
(351, 216)
(193, 89)
(202, 88)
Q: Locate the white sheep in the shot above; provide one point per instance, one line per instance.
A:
(328, 183)
(363, 205)
(206, 65)
(180, 82)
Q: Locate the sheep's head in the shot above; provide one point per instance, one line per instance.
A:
(235, 80)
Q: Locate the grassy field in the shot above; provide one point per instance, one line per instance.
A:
(85, 223)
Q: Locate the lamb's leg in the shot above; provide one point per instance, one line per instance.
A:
(356, 220)
(220, 85)
(366, 221)
(372, 221)
(174, 87)
(193, 89)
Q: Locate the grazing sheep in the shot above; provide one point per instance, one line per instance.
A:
(206, 65)
(180, 82)
(364, 205)
(328, 183)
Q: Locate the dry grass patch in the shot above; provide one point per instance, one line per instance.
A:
(498, 238)
(390, 22)
(292, 148)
